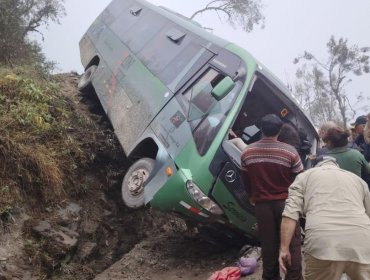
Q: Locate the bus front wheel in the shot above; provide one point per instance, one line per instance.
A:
(134, 182)
(85, 83)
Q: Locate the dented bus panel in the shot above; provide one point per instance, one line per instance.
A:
(173, 92)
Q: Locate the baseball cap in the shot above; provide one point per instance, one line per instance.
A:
(360, 120)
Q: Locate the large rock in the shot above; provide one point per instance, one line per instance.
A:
(69, 216)
(59, 237)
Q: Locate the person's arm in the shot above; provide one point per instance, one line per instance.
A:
(297, 165)
(245, 179)
(244, 173)
(287, 230)
(239, 143)
(366, 200)
(292, 211)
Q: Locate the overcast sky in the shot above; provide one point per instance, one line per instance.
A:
(291, 27)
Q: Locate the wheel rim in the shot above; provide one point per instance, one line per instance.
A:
(137, 181)
(85, 79)
(88, 74)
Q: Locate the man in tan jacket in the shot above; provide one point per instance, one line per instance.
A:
(336, 204)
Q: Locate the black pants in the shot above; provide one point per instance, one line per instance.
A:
(269, 217)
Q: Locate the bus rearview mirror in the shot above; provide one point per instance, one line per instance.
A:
(223, 88)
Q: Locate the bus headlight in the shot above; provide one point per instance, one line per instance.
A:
(202, 199)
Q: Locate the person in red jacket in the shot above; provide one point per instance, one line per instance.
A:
(268, 169)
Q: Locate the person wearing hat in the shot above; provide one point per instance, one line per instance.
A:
(359, 126)
(336, 204)
(363, 147)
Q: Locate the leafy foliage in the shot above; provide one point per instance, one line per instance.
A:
(321, 86)
(19, 18)
(242, 13)
(43, 143)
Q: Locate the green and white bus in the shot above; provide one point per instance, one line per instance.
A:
(173, 92)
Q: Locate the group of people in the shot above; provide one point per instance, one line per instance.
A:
(332, 197)
(351, 150)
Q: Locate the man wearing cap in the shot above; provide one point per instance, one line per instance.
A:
(363, 147)
(336, 204)
(268, 168)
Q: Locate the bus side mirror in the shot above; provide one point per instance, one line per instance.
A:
(223, 88)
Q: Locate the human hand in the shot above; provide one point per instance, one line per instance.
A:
(252, 201)
(312, 156)
(284, 260)
(232, 133)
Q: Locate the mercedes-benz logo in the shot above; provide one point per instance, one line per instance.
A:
(230, 176)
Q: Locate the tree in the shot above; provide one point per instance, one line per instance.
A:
(243, 13)
(321, 86)
(19, 18)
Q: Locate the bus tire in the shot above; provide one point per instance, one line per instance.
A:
(134, 182)
(85, 83)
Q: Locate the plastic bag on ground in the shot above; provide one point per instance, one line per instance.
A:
(228, 273)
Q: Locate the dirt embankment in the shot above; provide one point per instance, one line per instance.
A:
(91, 234)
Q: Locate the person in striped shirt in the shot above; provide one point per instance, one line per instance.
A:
(268, 168)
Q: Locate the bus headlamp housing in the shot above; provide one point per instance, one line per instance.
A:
(203, 200)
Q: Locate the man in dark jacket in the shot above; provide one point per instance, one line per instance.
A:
(363, 147)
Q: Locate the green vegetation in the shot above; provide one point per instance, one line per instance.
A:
(19, 19)
(44, 142)
(245, 14)
(322, 85)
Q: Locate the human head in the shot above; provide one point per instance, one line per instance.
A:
(336, 137)
(271, 125)
(359, 124)
(289, 134)
(324, 128)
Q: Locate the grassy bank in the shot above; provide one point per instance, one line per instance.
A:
(44, 143)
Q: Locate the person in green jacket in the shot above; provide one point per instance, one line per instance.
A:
(352, 160)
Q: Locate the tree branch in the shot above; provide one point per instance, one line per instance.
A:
(215, 1)
(210, 9)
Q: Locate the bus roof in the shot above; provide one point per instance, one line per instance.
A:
(189, 24)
